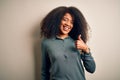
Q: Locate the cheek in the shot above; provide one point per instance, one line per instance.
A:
(61, 25)
(62, 22)
(72, 27)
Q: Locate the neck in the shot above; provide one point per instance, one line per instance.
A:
(62, 36)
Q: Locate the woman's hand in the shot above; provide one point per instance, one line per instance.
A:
(81, 45)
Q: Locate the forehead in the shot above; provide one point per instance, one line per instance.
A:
(68, 15)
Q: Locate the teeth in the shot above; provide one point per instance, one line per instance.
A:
(66, 28)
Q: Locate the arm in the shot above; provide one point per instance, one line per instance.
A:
(87, 58)
(45, 75)
(88, 62)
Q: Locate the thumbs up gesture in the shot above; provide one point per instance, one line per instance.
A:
(80, 45)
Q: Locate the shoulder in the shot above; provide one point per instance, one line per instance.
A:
(71, 39)
(45, 41)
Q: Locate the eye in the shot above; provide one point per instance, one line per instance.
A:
(65, 19)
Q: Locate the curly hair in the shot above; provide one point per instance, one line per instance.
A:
(50, 24)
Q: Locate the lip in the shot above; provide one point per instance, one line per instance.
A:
(66, 28)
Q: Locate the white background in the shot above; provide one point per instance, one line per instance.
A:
(20, 41)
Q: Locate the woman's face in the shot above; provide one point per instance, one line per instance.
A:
(66, 24)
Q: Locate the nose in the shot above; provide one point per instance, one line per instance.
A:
(68, 23)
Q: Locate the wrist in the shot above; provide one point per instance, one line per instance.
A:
(86, 50)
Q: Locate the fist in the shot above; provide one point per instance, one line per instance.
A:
(80, 45)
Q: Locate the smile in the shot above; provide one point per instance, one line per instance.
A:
(66, 28)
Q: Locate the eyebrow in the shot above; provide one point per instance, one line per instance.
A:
(68, 18)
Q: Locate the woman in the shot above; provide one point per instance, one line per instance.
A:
(64, 50)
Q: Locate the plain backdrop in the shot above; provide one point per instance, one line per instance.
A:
(20, 57)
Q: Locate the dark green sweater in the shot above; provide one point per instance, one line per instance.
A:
(62, 61)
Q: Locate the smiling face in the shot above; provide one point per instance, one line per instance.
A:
(66, 25)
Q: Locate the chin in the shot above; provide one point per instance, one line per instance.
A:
(65, 33)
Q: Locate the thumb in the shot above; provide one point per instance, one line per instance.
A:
(79, 37)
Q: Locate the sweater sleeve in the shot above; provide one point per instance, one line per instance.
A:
(88, 62)
(45, 75)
